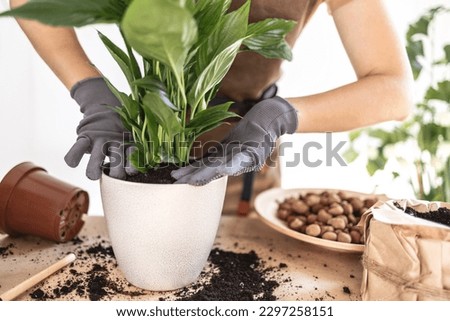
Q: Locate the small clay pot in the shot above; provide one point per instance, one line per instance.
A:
(34, 203)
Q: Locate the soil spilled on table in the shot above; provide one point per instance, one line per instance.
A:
(6, 250)
(95, 284)
(228, 276)
(236, 277)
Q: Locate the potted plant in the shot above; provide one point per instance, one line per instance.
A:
(176, 54)
(417, 150)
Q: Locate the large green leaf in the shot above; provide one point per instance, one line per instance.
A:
(208, 16)
(163, 30)
(232, 27)
(166, 117)
(267, 38)
(74, 13)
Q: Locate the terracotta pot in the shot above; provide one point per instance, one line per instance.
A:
(34, 203)
(162, 234)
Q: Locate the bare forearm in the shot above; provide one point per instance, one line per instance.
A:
(384, 88)
(370, 100)
(59, 48)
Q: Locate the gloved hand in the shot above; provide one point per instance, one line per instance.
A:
(247, 146)
(100, 132)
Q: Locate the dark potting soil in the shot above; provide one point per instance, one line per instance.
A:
(6, 250)
(231, 277)
(160, 175)
(96, 284)
(237, 277)
(441, 215)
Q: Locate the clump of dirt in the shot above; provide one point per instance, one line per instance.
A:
(235, 277)
(6, 250)
(441, 215)
(96, 284)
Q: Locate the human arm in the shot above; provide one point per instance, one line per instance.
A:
(382, 91)
(59, 48)
(100, 132)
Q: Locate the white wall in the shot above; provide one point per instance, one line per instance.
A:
(38, 118)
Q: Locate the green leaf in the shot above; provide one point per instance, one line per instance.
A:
(447, 53)
(350, 155)
(414, 49)
(131, 106)
(442, 92)
(73, 13)
(137, 159)
(353, 135)
(119, 56)
(213, 74)
(165, 117)
(420, 26)
(267, 38)
(389, 137)
(208, 16)
(375, 164)
(156, 86)
(429, 137)
(211, 116)
(163, 30)
(134, 66)
(446, 183)
(232, 28)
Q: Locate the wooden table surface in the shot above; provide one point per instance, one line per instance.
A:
(303, 271)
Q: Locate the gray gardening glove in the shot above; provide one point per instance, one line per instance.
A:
(100, 132)
(247, 146)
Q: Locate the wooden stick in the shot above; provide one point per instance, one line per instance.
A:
(35, 279)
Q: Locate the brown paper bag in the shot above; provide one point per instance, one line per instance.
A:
(405, 257)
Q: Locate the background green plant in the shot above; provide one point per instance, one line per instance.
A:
(424, 138)
(176, 54)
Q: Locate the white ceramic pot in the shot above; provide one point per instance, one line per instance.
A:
(162, 234)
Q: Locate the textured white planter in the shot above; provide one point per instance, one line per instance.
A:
(162, 234)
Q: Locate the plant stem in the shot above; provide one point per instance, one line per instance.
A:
(419, 169)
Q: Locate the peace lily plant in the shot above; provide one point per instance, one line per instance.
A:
(186, 48)
(175, 54)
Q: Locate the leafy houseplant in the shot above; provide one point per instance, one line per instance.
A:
(187, 47)
(421, 143)
(176, 54)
